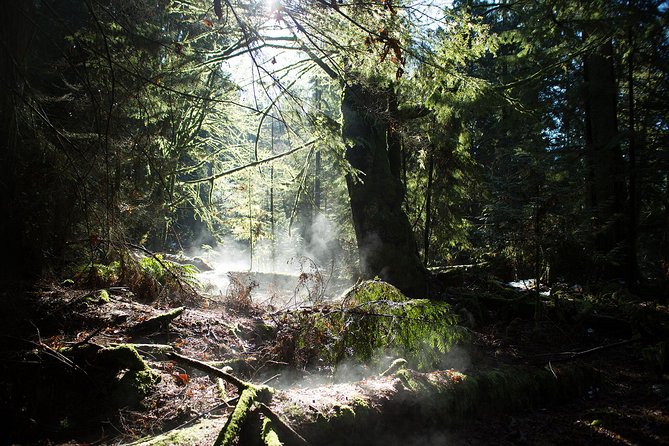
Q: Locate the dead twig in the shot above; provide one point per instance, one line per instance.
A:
(567, 356)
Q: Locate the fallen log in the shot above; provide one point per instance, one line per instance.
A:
(156, 322)
(369, 411)
(372, 411)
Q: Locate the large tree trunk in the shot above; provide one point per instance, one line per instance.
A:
(606, 179)
(386, 243)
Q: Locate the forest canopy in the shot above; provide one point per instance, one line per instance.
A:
(398, 136)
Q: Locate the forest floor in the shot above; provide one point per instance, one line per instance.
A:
(48, 402)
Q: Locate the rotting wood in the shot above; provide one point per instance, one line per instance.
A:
(252, 398)
(156, 351)
(362, 413)
(236, 426)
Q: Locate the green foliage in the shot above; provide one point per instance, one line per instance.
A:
(374, 321)
(158, 276)
(99, 275)
(103, 296)
(122, 118)
(149, 277)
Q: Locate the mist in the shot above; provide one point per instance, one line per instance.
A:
(298, 268)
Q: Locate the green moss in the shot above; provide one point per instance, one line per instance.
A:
(373, 290)
(453, 396)
(294, 411)
(201, 432)
(141, 383)
(343, 413)
(103, 296)
(359, 403)
(122, 356)
(235, 423)
(233, 427)
(396, 365)
(159, 321)
(268, 435)
(420, 330)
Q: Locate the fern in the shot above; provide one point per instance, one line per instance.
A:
(170, 274)
(98, 275)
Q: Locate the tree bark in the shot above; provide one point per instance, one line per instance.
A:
(606, 180)
(633, 273)
(428, 211)
(386, 243)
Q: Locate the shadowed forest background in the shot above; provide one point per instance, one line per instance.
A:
(448, 149)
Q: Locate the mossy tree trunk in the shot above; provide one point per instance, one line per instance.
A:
(386, 243)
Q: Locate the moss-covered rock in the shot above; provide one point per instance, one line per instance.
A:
(121, 356)
(138, 379)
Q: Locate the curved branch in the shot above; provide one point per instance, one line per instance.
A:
(253, 164)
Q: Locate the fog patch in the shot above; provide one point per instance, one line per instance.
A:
(300, 268)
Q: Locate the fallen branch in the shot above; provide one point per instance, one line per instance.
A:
(156, 351)
(566, 356)
(241, 385)
(253, 164)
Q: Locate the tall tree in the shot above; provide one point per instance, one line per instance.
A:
(606, 175)
(385, 240)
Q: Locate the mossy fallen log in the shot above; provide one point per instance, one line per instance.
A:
(156, 322)
(373, 321)
(371, 411)
(204, 432)
(232, 432)
(366, 412)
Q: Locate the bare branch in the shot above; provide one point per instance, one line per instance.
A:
(253, 164)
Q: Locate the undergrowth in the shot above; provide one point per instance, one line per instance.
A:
(238, 293)
(149, 277)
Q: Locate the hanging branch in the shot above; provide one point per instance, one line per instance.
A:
(299, 190)
(265, 114)
(253, 164)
